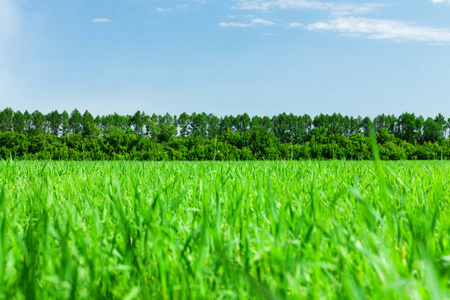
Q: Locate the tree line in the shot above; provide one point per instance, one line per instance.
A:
(201, 136)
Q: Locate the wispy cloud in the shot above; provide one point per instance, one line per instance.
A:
(101, 20)
(383, 29)
(178, 7)
(295, 25)
(346, 19)
(335, 8)
(252, 23)
(160, 9)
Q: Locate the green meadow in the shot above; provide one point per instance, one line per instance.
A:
(224, 230)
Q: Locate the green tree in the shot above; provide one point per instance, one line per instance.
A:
(120, 122)
(199, 124)
(366, 125)
(432, 131)
(151, 127)
(212, 126)
(183, 122)
(384, 137)
(321, 121)
(280, 128)
(138, 122)
(242, 123)
(88, 125)
(28, 122)
(75, 122)
(6, 119)
(18, 122)
(336, 124)
(440, 120)
(409, 127)
(379, 123)
(38, 123)
(225, 124)
(65, 123)
(53, 122)
(166, 128)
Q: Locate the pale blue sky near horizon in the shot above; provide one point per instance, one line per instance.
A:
(262, 57)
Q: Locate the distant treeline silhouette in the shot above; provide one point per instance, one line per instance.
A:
(201, 136)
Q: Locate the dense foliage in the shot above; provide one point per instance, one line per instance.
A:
(207, 137)
(224, 230)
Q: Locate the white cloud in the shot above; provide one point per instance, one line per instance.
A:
(263, 22)
(335, 8)
(234, 24)
(178, 7)
(438, 1)
(294, 25)
(160, 9)
(253, 5)
(101, 20)
(252, 23)
(241, 16)
(383, 29)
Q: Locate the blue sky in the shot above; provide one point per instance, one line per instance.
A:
(262, 57)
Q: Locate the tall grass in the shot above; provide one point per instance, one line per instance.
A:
(224, 230)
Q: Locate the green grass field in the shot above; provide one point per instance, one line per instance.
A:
(224, 230)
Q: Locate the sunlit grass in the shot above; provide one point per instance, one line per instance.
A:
(224, 230)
